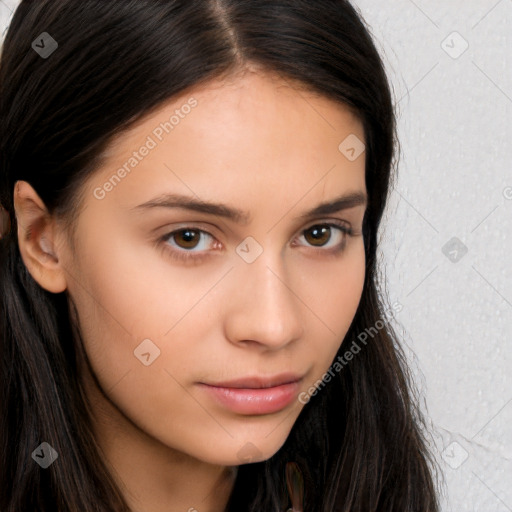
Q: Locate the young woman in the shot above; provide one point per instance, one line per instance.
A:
(190, 308)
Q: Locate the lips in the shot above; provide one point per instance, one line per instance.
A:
(255, 395)
(258, 382)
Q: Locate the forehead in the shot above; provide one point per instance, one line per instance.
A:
(234, 134)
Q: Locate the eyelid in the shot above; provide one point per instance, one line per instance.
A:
(326, 221)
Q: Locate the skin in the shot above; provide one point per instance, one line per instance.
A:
(254, 143)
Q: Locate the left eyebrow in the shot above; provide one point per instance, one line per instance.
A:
(337, 204)
(344, 202)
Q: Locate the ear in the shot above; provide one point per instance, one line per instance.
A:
(37, 239)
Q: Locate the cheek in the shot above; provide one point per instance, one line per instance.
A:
(332, 294)
(128, 309)
(122, 301)
(132, 287)
(332, 289)
(131, 294)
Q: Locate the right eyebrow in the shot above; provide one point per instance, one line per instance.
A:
(190, 203)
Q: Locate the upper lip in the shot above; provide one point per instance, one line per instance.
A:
(258, 382)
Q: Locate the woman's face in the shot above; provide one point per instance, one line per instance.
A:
(248, 287)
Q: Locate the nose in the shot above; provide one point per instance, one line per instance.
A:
(263, 309)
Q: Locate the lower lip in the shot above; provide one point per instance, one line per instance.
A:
(255, 401)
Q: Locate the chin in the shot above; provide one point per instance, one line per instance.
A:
(238, 452)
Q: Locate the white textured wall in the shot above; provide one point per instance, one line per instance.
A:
(455, 181)
(456, 133)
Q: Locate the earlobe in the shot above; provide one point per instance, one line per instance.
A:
(37, 239)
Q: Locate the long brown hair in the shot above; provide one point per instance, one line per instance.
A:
(359, 443)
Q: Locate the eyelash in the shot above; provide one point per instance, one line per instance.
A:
(183, 255)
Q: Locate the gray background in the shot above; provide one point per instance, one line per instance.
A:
(450, 66)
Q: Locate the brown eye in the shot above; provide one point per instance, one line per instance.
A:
(187, 238)
(318, 235)
(327, 236)
(189, 245)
